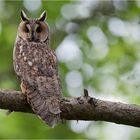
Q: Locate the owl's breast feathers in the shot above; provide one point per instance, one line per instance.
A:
(36, 67)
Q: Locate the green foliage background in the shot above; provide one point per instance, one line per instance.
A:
(107, 34)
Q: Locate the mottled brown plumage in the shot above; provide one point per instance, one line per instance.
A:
(36, 66)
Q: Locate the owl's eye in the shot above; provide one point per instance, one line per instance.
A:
(26, 29)
(38, 30)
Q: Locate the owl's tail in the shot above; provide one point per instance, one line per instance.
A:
(48, 109)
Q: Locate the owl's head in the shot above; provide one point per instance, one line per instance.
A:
(33, 30)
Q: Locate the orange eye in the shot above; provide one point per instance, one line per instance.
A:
(38, 30)
(26, 29)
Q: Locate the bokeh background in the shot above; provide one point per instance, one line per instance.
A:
(98, 47)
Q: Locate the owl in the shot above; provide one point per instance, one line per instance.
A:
(36, 67)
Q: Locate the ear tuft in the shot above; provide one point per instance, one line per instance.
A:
(23, 16)
(42, 16)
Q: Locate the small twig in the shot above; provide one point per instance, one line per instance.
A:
(85, 93)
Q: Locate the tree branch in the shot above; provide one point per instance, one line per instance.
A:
(81, 108)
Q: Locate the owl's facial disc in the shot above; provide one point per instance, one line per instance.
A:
(33, 30)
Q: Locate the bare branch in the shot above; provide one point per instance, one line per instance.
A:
(81, 108)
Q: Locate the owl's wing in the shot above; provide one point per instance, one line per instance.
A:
(40, 81)
(48, 109)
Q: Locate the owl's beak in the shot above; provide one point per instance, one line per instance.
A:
(32, 37)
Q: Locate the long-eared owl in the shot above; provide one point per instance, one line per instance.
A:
(36, 67)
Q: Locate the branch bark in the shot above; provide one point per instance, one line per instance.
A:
(81, 108)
